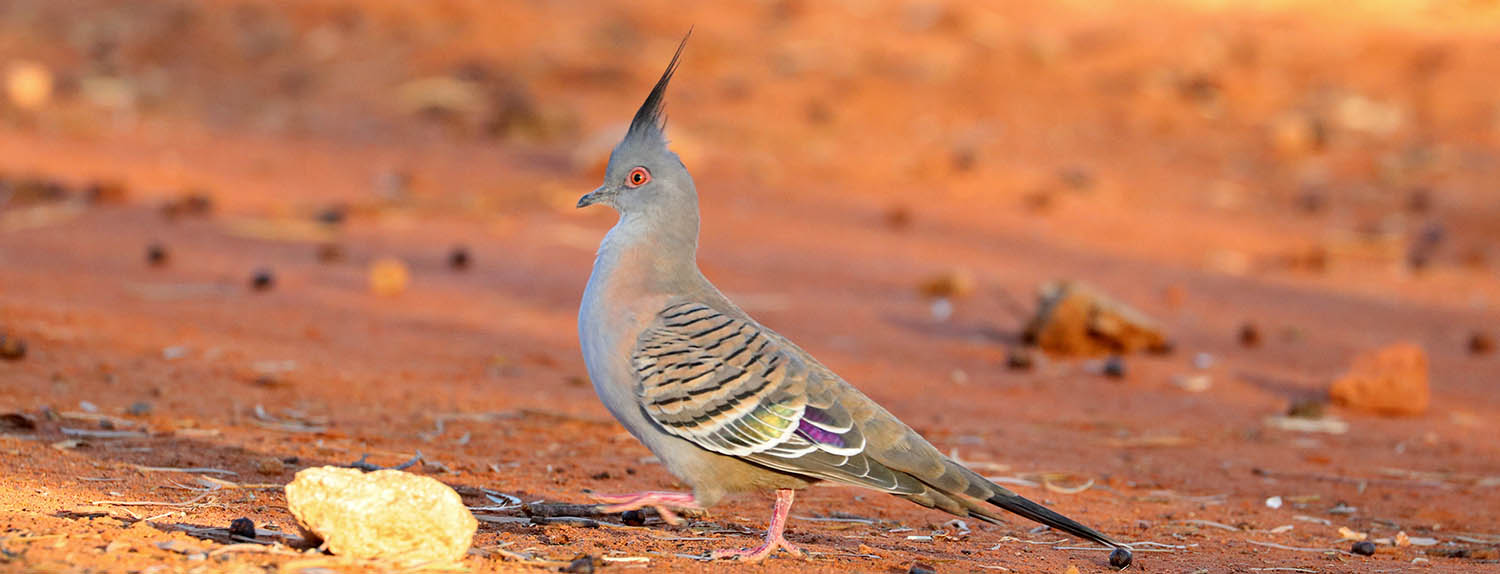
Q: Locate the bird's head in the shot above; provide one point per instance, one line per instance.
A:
(643, 175)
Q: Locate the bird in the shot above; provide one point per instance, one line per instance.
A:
(727, 404)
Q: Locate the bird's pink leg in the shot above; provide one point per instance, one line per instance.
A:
(774, 538)
(666, 503)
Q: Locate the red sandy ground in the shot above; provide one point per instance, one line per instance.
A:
(806, 125)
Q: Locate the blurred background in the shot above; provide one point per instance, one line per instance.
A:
(355, 217)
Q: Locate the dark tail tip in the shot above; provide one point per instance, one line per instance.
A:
(1036, 512)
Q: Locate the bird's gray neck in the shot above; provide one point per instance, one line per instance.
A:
(651, 251)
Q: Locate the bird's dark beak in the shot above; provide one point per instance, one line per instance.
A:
(592, 197)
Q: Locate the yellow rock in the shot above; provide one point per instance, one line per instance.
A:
(386, 514)
(28, 84)
(388, 277)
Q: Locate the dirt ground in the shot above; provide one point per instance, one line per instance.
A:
(1326, 174)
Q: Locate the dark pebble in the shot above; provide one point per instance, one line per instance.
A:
(37, 190)
(1306, 409)
(1020, 359)
(12, 348)
(1114, 367)
(267, 381)
(459, 258)
(139, 409)
(262, 280)
(106, 192)
(601, 475)
(1249, 336)
(191, 203)
(920, 568)
(156, 255)
(1120, 558)
(581, 565)
(330, 252)
(333, 215)
(1419, 200)
(1481, 344)
(633, 518)
(1077, 178)
(1313, 199)
(16, 421)
(1363, 548)
(242, 527)
(965, 158)
(818, 112)
(898, 217)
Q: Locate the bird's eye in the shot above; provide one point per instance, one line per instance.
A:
(638, 177)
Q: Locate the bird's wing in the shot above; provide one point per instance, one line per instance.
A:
(733, 387)
(736, 388)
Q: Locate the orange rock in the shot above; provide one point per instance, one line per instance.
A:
(953, 283)
(388, 277)
(1391, 380)
(1075, 319)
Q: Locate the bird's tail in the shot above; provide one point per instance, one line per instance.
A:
(1025, 508)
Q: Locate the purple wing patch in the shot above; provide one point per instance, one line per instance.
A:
(819, 435)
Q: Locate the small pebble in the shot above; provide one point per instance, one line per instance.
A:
(243, 527)
(1120, 558)
(388, 277)
(1203, 361)
(12, 348)
(138, 409)
(1363, 548)
(458, 258)
(633, 518)
(941, 309)
(1020, 358)
(1306, 409)
(1077, 178)
(1419, 201)
(1249, 336)
(1114, 367)
(262, 280)
(1481, 344)
(333, 215)
(269, 465)
(191, 203)
(898, 217)
(951, 284)
(330, 252)
(156, 255)
(106, 192)
(920, 568)
(581, 565)
(1193, 383)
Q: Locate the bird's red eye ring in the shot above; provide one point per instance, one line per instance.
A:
(638, 177)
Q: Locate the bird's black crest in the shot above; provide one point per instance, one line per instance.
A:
(650, 121)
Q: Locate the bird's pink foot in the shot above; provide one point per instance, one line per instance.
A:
(774, 534)
(759, 552)
(666, 504)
